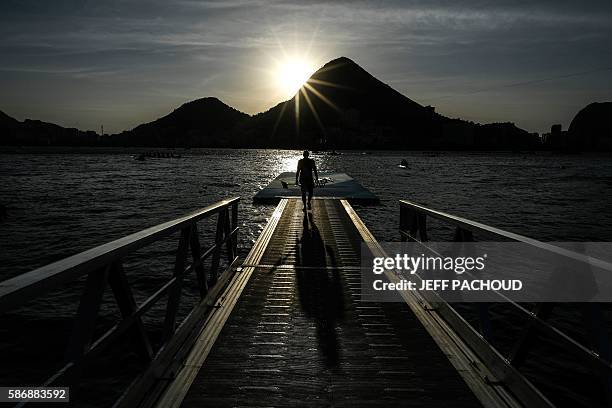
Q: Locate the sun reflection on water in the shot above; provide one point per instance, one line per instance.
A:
(288, 163)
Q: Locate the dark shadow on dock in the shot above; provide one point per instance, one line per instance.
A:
(319, 288)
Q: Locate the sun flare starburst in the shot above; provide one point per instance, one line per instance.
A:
(292, 74)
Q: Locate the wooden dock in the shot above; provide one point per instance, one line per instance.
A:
(300, 334)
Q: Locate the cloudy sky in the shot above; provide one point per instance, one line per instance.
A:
(120, 62)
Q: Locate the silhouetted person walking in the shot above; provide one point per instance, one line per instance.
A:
(304, 177)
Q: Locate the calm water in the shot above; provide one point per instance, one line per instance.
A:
(61, 204)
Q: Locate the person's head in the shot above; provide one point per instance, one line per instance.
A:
(306, 153)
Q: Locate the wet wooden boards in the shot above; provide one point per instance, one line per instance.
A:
(298, 333)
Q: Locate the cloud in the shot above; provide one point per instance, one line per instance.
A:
(174, 51)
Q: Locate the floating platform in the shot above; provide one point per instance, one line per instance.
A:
(334, 185)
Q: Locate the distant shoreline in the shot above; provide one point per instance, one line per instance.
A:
(196, 151)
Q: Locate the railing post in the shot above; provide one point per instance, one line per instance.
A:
(196, 254)
(87, 313)
(85, 323)
(413, 223)
(127, 306)
(216, 256)
(174, 295)
(521, 347)
(403, 222)
(463, 235)
(234, 226)
(482, 309)
(227, 230)
(422, 227)
(597, 329)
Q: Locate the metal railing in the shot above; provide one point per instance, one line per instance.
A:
(104, 265)
(507, 368)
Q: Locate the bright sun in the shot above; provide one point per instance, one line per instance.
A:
(292, 74)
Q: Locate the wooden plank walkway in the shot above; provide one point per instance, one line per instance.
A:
(299, 335)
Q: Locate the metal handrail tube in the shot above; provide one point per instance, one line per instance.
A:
(104, 265)
(488, 352)
(20, 289)
(479, 227)
(209, 252)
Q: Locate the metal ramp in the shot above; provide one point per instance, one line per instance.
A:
(300, 334)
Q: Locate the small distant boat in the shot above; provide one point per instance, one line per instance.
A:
(140, 157)
(334, 153)
(403, 164)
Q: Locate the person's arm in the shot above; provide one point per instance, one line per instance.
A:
(297, 173)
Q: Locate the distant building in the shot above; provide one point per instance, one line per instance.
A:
(557, 139)
(456, 135)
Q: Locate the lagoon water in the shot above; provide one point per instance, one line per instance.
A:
(60, 204)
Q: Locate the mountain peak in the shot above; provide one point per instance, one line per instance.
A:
(204, 106)
(340, 64)
(192, 124)
(352, 87)
(591, 127)
(7, 120)
(341, 60)
(205, 101)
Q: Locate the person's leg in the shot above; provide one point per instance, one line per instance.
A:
(304, 195)
(310, 192)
